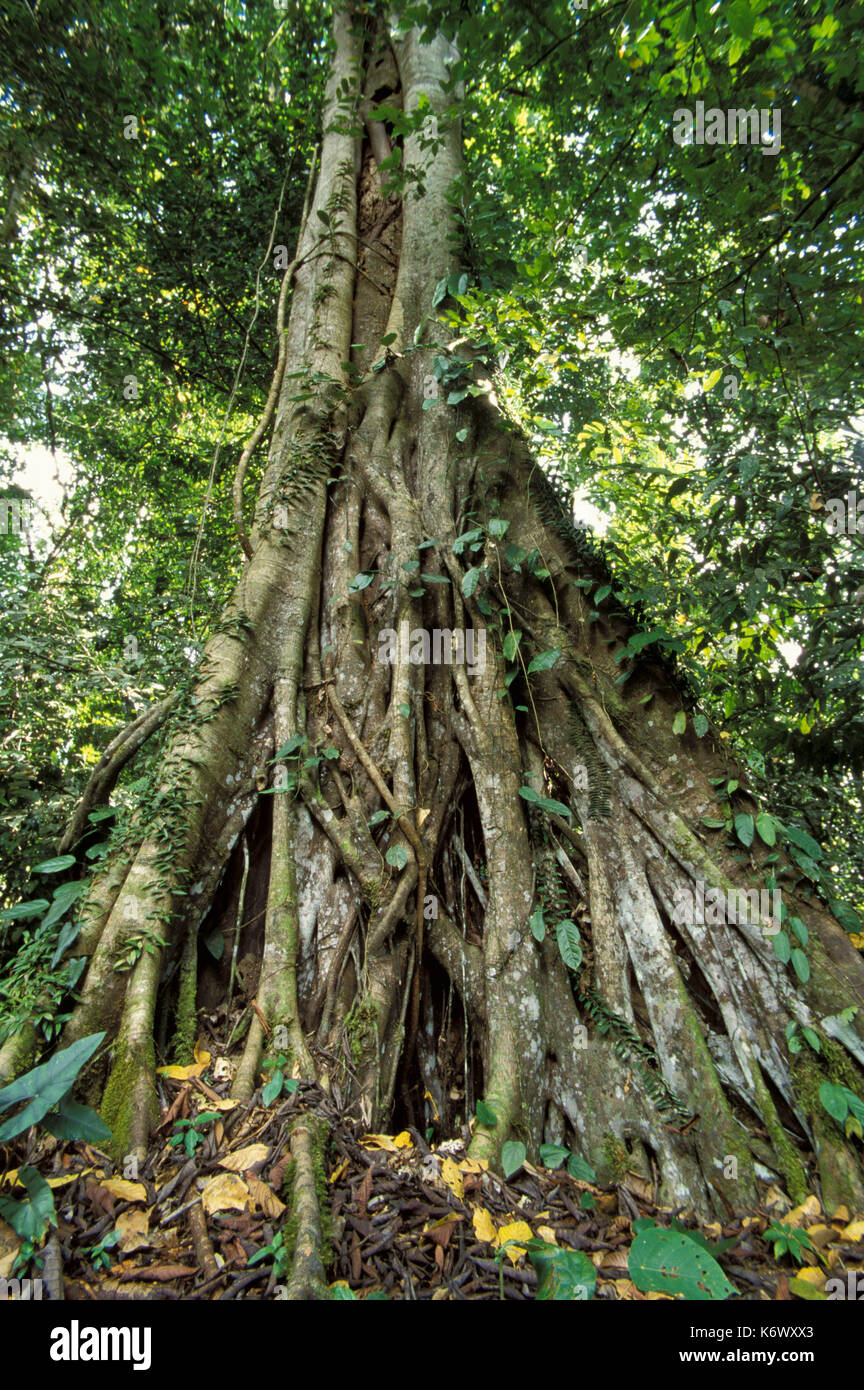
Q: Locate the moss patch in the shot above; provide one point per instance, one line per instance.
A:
(118, 1100)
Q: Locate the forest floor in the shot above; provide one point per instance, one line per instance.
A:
(403, 1220)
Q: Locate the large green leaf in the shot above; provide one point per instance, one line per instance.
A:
(670, 1262)
(45, 1085)
(73, 1121)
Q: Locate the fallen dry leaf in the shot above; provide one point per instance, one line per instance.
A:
(264, 1197)
(451, 1174)
(387, 1142)
(804, 1215)
(134, 1229)
(484, 1226)
(241, 1159)
(226, 1192)
(124, 1190)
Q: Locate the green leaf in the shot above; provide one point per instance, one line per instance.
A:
(544, 661)
(485, 1114)
(801, 965)
(378, 817)
(670, 1262)
(215, 943)
(803, 841)
(55, 866)
(45, 1085)
(24, 911)
(397, 856)
(272, 1089)
(834, 1101)
(498, 527)
(700, 725)
(548, 803)
(799, 929)
(30, 1219)
(529, 794)
(64, 897)
(513, 1155)
(740, 18)
(470, 580)
(579, 1169)
(68, 933)
(782, 947)
(295, 741)
(744, 829)
(679, 723)
(511, 642)
(553, 1155)
(537, 924)
(569, 944)
(563, 1276)
(360, 581)
(73, 1121)
(767, 828)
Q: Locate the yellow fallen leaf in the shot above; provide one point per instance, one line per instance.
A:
(134, 1228)
(195, 1068)
(264, 1197)
(484, 1226)
(474, 1165)
(380, 1141)
(11, 1176)
(340, 1171)
(226, 1192)
(181, 1073)
(515, 1230)
(841, 1216)
(241, 1159)
(805, 1214)
(452, 1176)
(854, 1232)
(403, 1140)
(857, 939)
(124, 1190)
(812, 1275)
(547, 1233)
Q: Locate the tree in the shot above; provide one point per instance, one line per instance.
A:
(456, 792)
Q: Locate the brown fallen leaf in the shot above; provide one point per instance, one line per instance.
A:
(134, 1229)
(263, 1196)
(124, 1190)
(782, 1293)
(241, 1159)
(226, 1192)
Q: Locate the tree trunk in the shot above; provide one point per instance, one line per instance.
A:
(392, 865)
